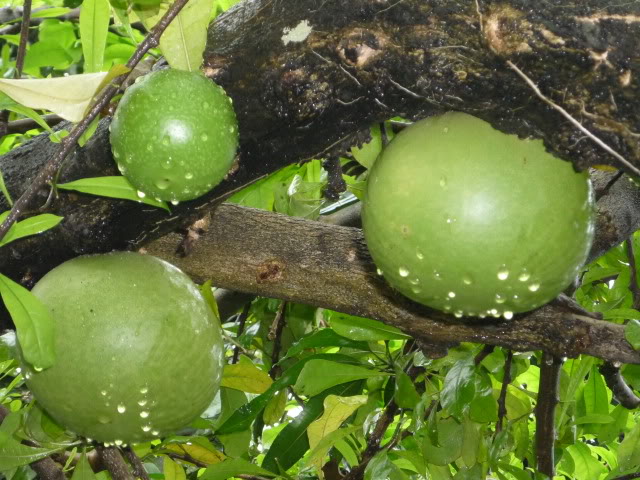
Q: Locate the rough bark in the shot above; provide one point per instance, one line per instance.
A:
(362, 62)
(328, 266)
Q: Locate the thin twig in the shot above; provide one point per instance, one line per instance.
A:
(575, 122)
(616, 383)
(25, 124)
(275, 334)
(484, 353)
(545, 413)
(502, 399)
(629, 476)
(136, 463)
(115, 464)
(187, 458)
(633, 281)
(47, 173)
(242, 319)
(24, 36)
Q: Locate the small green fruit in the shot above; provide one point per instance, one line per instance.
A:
(174, 135)
(138, 352)
(465, 219)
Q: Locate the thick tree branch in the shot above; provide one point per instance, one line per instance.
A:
(273, 255)
(114, 463)
(621, 391)
(548, 398)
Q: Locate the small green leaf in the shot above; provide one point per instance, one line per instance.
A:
(31, 226)
(34, 325)
(449, 446)
(406, 395)
(83, 470)
(595, 394)
(363, 329)
(325, 337)
(629, 450)
(5, 192)
(586, 465)
(15, 454)
(318, 375)
(246, 377)
(275, 408)
(367, 154)
(94, 25)
(113, 187)
(88, 133)
(632, 333)
(171, 470)
(459, 386)
(232, 468)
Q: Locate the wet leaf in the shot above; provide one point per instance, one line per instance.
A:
(364, 329)
(319, 375)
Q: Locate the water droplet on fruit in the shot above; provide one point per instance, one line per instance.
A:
(142, 403)
(379, 272)
(163, 183)
(437, 275)
(103, 420)
(166, 140)
(141, 194)
(188, 176)
(128, 158)
(443, 181)
(415, 289)
(175, 202)
(403, 272)
(204, 137)
(144, 414)
(414, 281)
(122, 169)
(508, 315)
(450, 220)
(524, 276)
(146, 428)
(503, 273)
(458, 314)
(118, 443)
(232, 129)
(144, 390)
(116, 155)
(103, 393)
(446, 308)
(534, 287)
(500, 298)
(155, 433)
(467, 279)
(494, 313)
(37, 369)
(122, 408)
(419, 255)
(451, 294)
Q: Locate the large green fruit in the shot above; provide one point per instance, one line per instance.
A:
(139, 353)
(465, 219)
(174, 135)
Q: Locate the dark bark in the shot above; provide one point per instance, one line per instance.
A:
(548, 398)
(361, 63)
(273, 255)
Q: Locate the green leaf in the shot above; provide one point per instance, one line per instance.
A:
(629, 450)
(363, 329)
(381, 467)
(94, 25)
(275, 408)
(368, 153)
(632, 333)
(31, 226)
(336, 410)
(327, 442)
(113, 187)
(83, 470)
(585, 463)
(13, 454)
(595, 394)
(594, 418)
(5, 192)
(292, 442)
(170, 469)
(449, 447)
(406, 395)
(88, 133)
(34, 325)
(459, 386)
(319, 375)
(325, 337)
(33, 115)
(246, 377)
(232, 468)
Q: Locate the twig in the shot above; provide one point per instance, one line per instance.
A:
(47, 173)
(242, 319)
(484, 353)
(575, 122)
(136, 463)
(502, 399)
(629, 476)
(621, 391)
(25, 124)
(115, 464)
(251, 477)
(633, 281)
(185, 457)
(24, 36)
(545, 413)
(275, 334)
(335, 183)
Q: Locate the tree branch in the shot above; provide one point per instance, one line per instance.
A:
(633, 281)
(545, 413)
(24, 36)
(616, 383)
(502, 399)
(114, 463)
(136, 463)
(276, 256)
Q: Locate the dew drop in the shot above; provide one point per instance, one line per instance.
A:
(437, 275)
(166, 164)
(142, 403)
(467, 279)
(37, 369)
(146, 428)
(141, 194)
(457, 314)
(144, 390)
(188, 176)
(155, 433)
(103, 393)
(403, 272)
(379, 272)
(122, 408)
(534, 287)
(103, 420)
(415, 289)
(419, 255)
(493, 311)
(175, 202)
(508, 315)
(128, 158)
(443, 181)
(503, 273)
(414, 281)
(451, 220)
(144, 414)
(500, 298)
(163, 183)
(122, 169)
(232, 129)
(118, 443)
(524, 276)
(116, 155)
(451, 294)
(447, 308)
(204, 137)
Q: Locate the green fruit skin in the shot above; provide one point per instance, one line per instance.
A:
(174, 135)
(139, 354)
(465, 219)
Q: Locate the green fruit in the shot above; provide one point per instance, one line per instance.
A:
(138, 352)
(174, 135)
(465, 219)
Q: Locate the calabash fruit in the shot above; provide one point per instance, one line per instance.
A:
(138, 352)
(174, 135)
(465, 219)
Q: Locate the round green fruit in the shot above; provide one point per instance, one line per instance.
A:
(174, 135)
(138, 352)
(465, 219)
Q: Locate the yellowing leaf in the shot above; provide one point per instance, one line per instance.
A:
(68, 97)
(197, 452)
(172, 470)
(336, 410)
(275, 408)
(246, 377)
